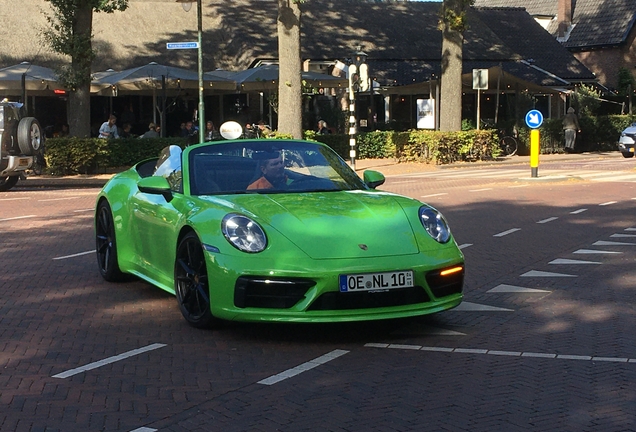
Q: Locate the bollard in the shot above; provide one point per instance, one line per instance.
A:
(534, 152)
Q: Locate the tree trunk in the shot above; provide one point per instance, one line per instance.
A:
(289, 78)
(79, 97)
(451, 80)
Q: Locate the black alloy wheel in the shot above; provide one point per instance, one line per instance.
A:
(191, 282)
(105, 244)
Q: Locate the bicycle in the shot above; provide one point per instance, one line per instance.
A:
(508, 146)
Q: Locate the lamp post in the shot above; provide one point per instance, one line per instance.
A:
(187, 5)
(358, 81)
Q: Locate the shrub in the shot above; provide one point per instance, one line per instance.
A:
(90, 155)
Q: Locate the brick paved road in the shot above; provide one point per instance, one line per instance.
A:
(544, 340)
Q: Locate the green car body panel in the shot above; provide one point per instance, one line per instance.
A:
(312, 236)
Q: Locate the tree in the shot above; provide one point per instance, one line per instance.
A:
(452, 24)
(289, 78)
(71, 33)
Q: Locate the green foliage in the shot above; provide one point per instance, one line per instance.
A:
(90, 155)
(70, 34)
(453, 15)
(626, 82)
(376, 145)
(587, 99)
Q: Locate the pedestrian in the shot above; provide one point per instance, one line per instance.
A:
(108, 129)
(570, 128)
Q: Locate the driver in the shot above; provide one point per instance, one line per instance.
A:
(272, 173)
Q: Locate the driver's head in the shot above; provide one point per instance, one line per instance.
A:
(273, 169)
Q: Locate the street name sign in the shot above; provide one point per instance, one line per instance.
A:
(182, 45)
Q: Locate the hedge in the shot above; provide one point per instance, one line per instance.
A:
(93, 155)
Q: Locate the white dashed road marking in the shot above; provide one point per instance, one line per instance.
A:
(465, 245)
(503, 288)
(537, 273)
(547, 220)
(108, 360)
(476, 307)
(434, 195)
(144, 429)
(592, 252)
(505, 233)
(74, 255)
(611, 243)
(502, 353)
(480, 190)
(571, 261)
(623, 235)
(289, 373)
(578, 211)
(608, 203)
(17, 217)
(59, 199)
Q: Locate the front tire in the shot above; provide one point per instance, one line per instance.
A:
(7, 183)
(191, 282)
(106, 245)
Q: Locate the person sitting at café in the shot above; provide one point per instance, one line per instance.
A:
(125, 132)
(151, 132)
(272, 171)
(211, 134)
(323, 129)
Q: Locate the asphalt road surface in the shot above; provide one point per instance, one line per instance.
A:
(544, 340)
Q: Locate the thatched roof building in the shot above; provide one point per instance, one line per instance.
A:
(401, 39)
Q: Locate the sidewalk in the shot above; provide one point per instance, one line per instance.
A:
(385, 166)
(392, 167)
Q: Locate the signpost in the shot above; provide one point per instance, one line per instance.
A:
(534, 119)
(480, 82)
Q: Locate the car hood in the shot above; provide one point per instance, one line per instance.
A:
(630, 130)
(328, 225)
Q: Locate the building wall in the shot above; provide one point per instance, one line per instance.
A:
(606, 62)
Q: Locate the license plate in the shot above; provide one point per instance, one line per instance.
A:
(631, 149)
(23, 162)
(376, 281)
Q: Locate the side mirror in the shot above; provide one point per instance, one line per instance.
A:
(373, 179)
(155, 185)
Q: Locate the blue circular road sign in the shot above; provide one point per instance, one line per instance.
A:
(534, 119)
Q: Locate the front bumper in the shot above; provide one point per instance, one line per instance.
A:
(309, 291)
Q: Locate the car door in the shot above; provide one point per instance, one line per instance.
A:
(157, 221)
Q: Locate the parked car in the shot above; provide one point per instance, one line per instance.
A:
(275, 230)
(21, 144)
(627, 140)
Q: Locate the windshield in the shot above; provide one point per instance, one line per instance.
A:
(268, 166)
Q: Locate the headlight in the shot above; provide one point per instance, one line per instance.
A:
(434, 224)
(243, 233)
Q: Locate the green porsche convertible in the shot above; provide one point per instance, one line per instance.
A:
(275, 230)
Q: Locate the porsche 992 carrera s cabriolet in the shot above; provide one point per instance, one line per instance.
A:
(275, 230)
